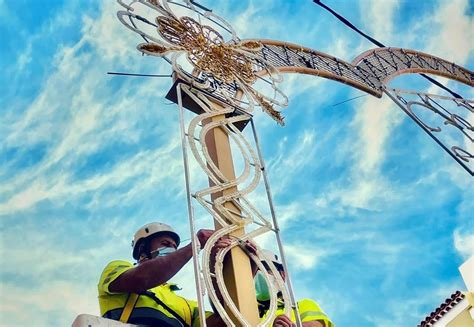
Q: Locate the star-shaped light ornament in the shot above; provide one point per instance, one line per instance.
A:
(236, 63)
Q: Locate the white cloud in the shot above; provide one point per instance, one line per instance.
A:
(25, 57)
(53, 281)
(375, 120)
(146, 166)
(110, 38)
(291, 163)
(304, 256)
(295, 84)
(464, 243)
(56, 303)
(76, 114)
(379, 16)
(241, 23)
(373, 123)
(453, 41)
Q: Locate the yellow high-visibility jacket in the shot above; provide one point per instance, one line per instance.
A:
(309, 310)
(147, 310)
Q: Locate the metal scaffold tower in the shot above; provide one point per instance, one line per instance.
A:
(222, 78)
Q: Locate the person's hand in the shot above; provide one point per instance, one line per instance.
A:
(251, 247)
(283, 321)
(221, 243)
(203, 235)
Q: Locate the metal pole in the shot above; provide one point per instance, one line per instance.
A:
(277, 228)
(197, 270)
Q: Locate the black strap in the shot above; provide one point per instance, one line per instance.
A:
(379, 44)
(158, 301)
(264, 306)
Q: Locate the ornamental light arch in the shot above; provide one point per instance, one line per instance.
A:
(215, 77)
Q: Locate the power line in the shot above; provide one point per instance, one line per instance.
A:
(137, 75)
(359, 96)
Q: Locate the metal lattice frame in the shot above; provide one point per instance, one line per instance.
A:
(388, 63)
(369, 72)
(226, 191)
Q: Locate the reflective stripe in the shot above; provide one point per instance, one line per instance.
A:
(313, 313)
(145, 316)
(309, 311)
(113, 272)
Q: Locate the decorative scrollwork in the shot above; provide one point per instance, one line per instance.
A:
(423, 105)
(227, 191)
(462, 154)
(455, 116)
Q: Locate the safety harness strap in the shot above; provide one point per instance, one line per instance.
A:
(129, 305)
(158, 301)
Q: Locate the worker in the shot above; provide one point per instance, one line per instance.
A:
(310, 313)
(142, 293)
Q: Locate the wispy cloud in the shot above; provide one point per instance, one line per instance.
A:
(366, 208)
(304, 256)
(380, 18)
(374, 122)
(452, 41)
(464, 243)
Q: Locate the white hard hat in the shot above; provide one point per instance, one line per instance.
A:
(149, 230)
(269, 255)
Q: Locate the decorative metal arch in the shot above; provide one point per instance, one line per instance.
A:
(369, 72)
(222, 84)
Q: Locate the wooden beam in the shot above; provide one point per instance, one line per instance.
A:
(237, 269)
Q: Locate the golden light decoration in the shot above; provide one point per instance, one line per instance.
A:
(233, 62)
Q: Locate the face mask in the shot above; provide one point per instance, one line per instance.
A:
(162, 252)
(261, 287)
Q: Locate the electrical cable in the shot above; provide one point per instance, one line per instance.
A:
(347, 100)
(137, 75)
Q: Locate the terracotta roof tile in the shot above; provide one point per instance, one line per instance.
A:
(440, 311)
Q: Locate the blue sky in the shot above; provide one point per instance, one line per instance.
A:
(375, 217)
